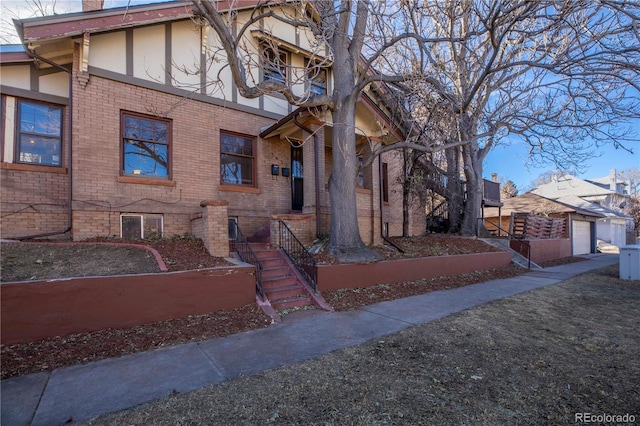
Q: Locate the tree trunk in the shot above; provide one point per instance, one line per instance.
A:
(345, 243)
(473, 174)
(406, 190)
(455, 195)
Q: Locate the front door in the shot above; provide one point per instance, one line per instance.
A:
(297, 191)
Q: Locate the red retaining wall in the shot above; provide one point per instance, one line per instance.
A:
(39, 309)
(545, 250)
(334, 277)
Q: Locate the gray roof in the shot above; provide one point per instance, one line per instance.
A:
(578, 202)
(570, 185)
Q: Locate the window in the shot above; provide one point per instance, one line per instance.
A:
(233, 227)
(39, 134)
(145, 146)
(364, 175)
(385, 183)
(237, 159)
(137, 226)
(274, 65)
(317, 78)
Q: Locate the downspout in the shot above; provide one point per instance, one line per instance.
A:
(35, 56)
(316, 149)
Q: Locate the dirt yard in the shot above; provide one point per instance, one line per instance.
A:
(46, 261)
(537, 358)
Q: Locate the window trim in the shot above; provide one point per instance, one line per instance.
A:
(284, 69)
(142, 219)
(254, 150)
(18, 132)
(168, 144)
(310, 81)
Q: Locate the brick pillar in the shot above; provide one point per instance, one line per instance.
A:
(215, 227)
(313, 155)
(376, 216)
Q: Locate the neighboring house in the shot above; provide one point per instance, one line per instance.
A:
(604, 196)
(580, 223)
(110, 129)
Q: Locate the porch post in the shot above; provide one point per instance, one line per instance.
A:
(314, 173)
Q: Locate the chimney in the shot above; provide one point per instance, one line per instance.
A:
(90, 5)
(494, 177)
(612, 180)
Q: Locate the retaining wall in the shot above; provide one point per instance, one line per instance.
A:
(36, 310)
(334, 277)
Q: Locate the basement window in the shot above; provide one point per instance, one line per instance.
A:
(140, 226)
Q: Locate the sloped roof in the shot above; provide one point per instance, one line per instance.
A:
(570, 185)
(533, 203)
(580, 203)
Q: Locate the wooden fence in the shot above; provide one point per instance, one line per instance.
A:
(534, 227)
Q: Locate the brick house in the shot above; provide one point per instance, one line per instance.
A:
(110, 128)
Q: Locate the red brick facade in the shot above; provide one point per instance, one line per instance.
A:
(35, 199)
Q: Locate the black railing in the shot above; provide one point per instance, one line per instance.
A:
(511, 238)
(240, 245)
(299, 255)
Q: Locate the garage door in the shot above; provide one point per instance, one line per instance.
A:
(581, 232)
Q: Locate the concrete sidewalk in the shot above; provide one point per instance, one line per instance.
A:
(82, 392)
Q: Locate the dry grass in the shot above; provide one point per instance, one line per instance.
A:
(536, 358)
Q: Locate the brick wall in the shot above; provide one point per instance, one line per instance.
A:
(33, 202)
(195, 162)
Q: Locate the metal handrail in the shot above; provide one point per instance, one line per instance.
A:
(299, 255)
(511, 237)
(240, 245)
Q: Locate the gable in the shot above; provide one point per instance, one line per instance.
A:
(569, 185)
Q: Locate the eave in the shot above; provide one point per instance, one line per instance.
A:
(75, 24)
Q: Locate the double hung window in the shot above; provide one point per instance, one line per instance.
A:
(274, 65)
(237, 158)
(145, 146)
(317, 77)
(39, 134)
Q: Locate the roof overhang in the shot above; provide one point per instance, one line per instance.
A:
(265, 36)
(48, 28)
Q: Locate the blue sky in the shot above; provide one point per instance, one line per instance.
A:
(509, 162)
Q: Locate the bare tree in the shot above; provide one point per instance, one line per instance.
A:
(560, 76)
(23, 9)
(508, 190)
(358, 35)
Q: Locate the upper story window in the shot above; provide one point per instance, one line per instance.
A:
(317, 77)
(145, 146)
(237, 159)
(39, 134)
(274, 65)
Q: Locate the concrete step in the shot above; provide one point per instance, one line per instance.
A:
(516, 257)
(275, 271)
(280, 281)
(292, 302)
(285, 292)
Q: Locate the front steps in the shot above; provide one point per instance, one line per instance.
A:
(517, 258)
(284, 288)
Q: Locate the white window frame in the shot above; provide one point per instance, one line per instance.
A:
(142, 217)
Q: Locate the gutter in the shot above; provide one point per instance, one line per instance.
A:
(35, 56)
(316, 149)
